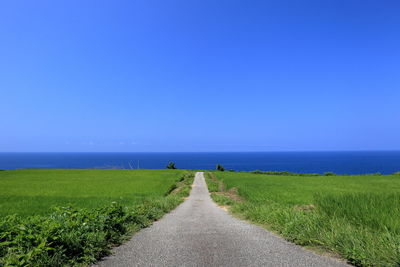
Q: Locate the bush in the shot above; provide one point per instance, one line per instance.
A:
(329, 174)
(219, 167)
(171, 165)
(68, 235)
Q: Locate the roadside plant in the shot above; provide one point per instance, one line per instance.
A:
(220, 168)
(171, 165)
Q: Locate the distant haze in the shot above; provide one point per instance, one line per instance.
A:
(127, 76)
(360, 162)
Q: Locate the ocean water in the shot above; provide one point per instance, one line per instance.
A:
(385, 162)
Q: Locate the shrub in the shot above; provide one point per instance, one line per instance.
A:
(329, 174)
(219, 167)
(171, 165)
(68, 235)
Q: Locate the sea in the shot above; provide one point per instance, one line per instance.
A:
(340, 162)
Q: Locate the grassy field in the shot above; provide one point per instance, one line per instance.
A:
(357, 217)
(74, 217)
(35, 191)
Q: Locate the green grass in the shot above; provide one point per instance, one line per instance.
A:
(107, 206)
(35, 191)
(357, 217)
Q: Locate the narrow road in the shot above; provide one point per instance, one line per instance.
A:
(199, 233)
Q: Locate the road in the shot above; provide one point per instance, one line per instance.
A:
(199, 233)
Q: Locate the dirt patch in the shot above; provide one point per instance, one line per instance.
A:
(221, 186)
(178, 188)
(232, 194)
(308, 207)
(225, 208)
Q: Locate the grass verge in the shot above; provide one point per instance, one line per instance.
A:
(80, 236)
(35, 191)
(346, 215)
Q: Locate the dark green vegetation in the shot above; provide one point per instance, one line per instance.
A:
(171, 166)
(357, 217)
(108, 206)
(220, 168)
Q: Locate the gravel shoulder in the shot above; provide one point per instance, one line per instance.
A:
(199, 233)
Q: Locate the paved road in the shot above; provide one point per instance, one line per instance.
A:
(199, 233)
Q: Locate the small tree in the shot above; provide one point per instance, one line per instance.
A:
(171, 165)
(220, 168)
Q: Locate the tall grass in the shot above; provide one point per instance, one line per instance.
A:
(347, 215)
(378, 212)
(76, 236)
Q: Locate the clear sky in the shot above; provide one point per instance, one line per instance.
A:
(207, 75)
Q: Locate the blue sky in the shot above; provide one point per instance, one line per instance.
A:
(199, 75)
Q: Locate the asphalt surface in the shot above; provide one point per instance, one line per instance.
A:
(199, 233)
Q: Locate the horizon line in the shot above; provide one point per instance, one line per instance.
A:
(252, 151)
